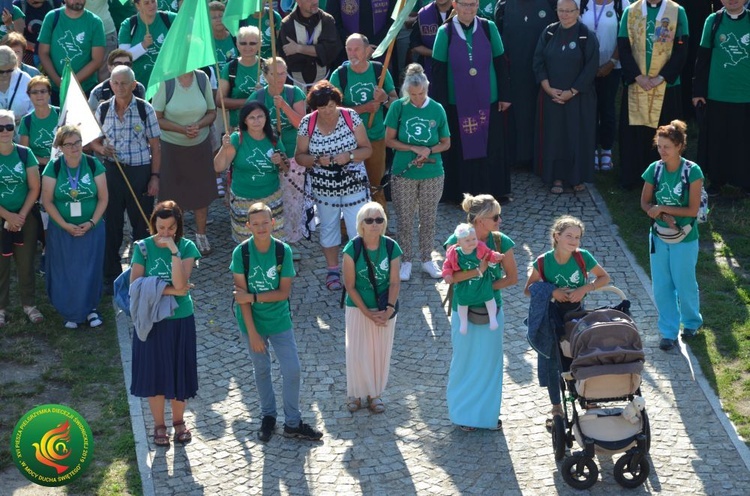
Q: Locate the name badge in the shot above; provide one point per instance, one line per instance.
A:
(75, 209)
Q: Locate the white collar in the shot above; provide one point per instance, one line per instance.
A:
(426, 102)
(460, 28)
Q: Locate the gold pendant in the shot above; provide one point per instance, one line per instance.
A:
(74, 193)
(472, 72)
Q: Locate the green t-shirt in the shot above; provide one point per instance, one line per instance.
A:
(159, 264)
(42, 132)
(143, 65)
(475, 291)
(568, 275)
(168, 5)
(120, 12)
(670, 193)
(244, 84)
(288, 132)
(381, 267)
(253, 173)
(360, 89)
(73, 40)
(225, 51)
(87, 190)
(265, 45)
(729, 74)
(14, 186)
(495, 269)
(440, 53)
(272, 317)
(487, 9)
(418, 126)
(651, 13)
(16, 14)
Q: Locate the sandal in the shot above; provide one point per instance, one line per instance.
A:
(579, 188)
(160, 435)
(557, 188)
(3, 320)
(375, 405)
(184, 436)
(466, 428)
(499, 426)
(34, 315)
(333, 281)
(94, 320)
(353, 404)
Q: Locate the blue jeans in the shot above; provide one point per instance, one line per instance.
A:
(285, 348)
(675, 286)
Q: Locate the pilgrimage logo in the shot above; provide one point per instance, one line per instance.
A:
(52, 445)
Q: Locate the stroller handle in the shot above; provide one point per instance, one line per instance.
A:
(615, 290)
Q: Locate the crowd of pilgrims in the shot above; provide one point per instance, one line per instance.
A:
(475, 89)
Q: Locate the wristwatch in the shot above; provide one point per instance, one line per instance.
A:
(177, 254)
(351, 156)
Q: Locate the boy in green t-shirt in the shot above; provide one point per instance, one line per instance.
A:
(262, 283)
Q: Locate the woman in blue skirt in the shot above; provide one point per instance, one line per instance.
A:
(165, 364)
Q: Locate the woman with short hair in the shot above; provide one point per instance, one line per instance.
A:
(13, 83)
(37, 128)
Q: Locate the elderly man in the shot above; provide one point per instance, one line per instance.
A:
(71, 34)
(310, 42)
(103, 91)
(358, 82)
(131, 133)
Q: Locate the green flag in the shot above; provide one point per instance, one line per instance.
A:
(65, 82)
(189, 45)
(398, 23)
(239, 10)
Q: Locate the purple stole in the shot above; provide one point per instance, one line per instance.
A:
(350, 15)
(471, 88)
(429, 22)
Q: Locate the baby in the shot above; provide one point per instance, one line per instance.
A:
(466, 256)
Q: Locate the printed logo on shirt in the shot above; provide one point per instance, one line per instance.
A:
(12, 177)
(381, 270)
(571, 281)
(247, 85)
(161, 270)
(669, 195)
(71, 44)
(418, 130)
(734, 48)
(261, 280)
(43, 139)
(260, 162)
(361, 92)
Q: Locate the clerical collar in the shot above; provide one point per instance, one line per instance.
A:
(654, 5)
(736, 16)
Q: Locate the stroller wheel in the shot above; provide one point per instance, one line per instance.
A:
(558, 437)
(579, 472)
(629, 475)
(646, 430)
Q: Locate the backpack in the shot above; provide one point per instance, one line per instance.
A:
(134, 22)
(577, 256)
(618, 8)
(122, 283)
(141, 104)
(343, 73)
(582, 37)
(170, 85)
(89, 161)
(260, 94)
(703, 209)
(23, 153)
(232, 67)
(245, 249)
(357, 245)
(346, 113)
(24, 4)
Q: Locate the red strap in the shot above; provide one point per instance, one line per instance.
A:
(540, 266)
(581, 264)
(311, 123)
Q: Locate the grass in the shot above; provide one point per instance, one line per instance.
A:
(80, 368)
(723, 271)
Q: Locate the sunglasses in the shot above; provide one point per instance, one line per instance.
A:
(495, 217)
(116, 63)
(7, 71)
(247, 43)
(376, 220)
(7, 127)
(38, 92)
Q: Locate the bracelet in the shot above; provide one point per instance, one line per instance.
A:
(93, 224)
(177, 254)
(155, 174)
(388, 305)
(614, 61)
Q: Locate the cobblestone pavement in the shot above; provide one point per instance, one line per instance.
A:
(413, 448)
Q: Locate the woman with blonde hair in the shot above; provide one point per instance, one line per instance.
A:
(371, 306)
(13, 83)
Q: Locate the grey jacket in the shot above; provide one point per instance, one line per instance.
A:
(148, 304)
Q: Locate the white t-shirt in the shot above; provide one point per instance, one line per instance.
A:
(20, 104)
(604, 23)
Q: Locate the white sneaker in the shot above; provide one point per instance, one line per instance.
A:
(201, 240)
(432, 269)
(71, 325)
(405, 271)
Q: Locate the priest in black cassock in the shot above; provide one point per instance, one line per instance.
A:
(565, 63)
(520, 23)
(470, 75)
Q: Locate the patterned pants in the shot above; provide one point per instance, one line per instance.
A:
(412, 196)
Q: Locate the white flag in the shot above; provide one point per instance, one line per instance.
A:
(76, 111)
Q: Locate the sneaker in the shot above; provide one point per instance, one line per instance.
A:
(405, 272)
(606, 160)
(689, 333)
(94, 319)
(203, 245)
(267, 426)
(71, 325)
(432, 269)
(303, 431)
(220, 187)
(667, 344)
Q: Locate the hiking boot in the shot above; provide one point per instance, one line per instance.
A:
(303, 431)
(267, 426)
(667, 344)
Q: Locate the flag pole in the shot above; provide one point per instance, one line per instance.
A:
(386, 63)
(221, 100)
(135, 197)
(259, 55)
(273, 57)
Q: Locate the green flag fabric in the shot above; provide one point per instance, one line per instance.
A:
(239, 10)
(65, 82)
(398, 23)
(189, 45)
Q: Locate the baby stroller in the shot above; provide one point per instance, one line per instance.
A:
(604, 382)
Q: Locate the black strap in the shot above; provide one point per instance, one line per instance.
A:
(23, 153)
(370, 270)
(232, 66)
(89, 160)
(15, 90)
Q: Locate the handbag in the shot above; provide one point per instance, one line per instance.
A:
(382, 298)
(479, 315)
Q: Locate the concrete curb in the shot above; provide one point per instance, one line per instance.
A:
(700, 378)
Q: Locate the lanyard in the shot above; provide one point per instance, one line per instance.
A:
(73, 182)
(598, 17)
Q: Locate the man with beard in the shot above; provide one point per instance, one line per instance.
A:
(75, 34)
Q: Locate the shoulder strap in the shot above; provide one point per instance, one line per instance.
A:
(23, 153)
(260, 95)
(103, 110)
(202, 80)
(311, 123)
(141, 105)
(232, 74)
(56, 166)
(583, 6)
(289, 91)
(389, 245)
(578, 257)
(347, 115)
(27, 122)
(279, 256)
(245, 257)
(343, 76)
(165, 19)
(551, 29)
(133, 25)
(715, 25)
(142, 246)
(540, 266)
(658, 169)
(357, 245)
(377, 68)
(55, 19)
(169, 88)
(200, 76)
(618, 9)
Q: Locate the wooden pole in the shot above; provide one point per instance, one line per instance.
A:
(273, 57)
(221, 100)
(386, 63)
(259, 55)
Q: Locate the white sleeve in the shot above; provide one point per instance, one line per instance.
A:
(136, 51)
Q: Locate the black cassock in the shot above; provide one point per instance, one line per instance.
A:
(565, 137)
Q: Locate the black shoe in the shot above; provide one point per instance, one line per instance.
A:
(267, 427)
(303, 431)
(667, 344)
(689, 333)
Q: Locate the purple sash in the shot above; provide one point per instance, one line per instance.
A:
(429, 22)
(350, 15)
(472, 93)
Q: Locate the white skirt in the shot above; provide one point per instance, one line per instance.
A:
(368, 354)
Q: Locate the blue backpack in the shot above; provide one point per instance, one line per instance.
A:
(122, 283)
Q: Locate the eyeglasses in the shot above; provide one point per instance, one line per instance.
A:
(72, 145)
(376, 220)
(247, 43)
(38, 92)
(7, 71)
(118, 62)
(468, 5)
(567, 11)
(7, 127)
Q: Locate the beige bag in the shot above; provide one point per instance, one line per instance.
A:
(671, 236)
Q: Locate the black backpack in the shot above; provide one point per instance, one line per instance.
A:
(357, 245)
(141, 104)
(23, 153)
(89, 161)
(260, 94)
(134, 22)
(376, 66)
(245, 249)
